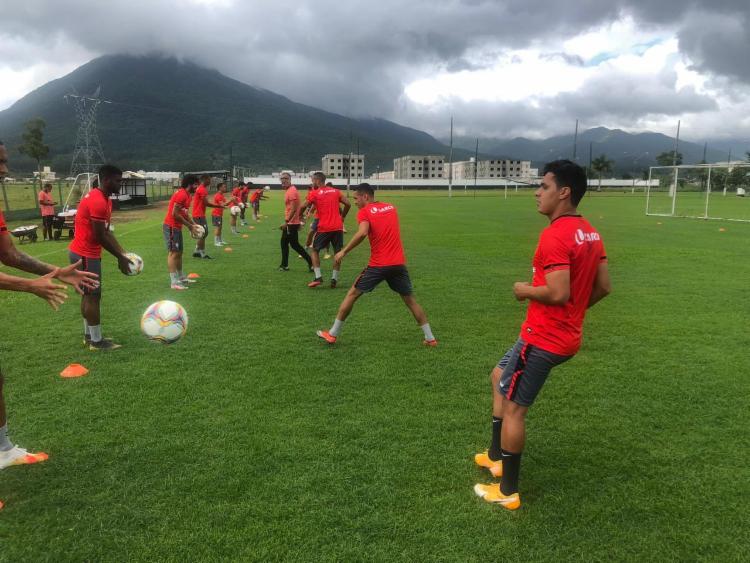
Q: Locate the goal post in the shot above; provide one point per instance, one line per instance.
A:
(700, 191)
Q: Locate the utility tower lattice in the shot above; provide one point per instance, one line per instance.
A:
(88, 155)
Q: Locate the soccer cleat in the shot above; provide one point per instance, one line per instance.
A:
(19, 456)
(326, 336)
(432, 342)
(493, 494)
(334, 283)
(103, 344)
(178, 286)
(495, 466)
(315, 283)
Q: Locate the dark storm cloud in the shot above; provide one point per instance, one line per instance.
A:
(356, 57)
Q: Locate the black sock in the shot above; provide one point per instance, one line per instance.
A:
(494, 452)
(511, 468)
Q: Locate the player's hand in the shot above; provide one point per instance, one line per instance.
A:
(124, 263)
(339, 256)
(52, 293)
(519, 290)
(78, 279)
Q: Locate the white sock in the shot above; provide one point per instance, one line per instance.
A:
(318, 273)
(86, 328)
(96, 333)
(335, 275)
(427, 331)
(5, 443)
(336, 328)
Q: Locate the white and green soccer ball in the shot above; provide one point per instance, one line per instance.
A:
(165, 322)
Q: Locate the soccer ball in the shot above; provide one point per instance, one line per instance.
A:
(199, 234)
(136, 263)
(234, 210)
(165, 322)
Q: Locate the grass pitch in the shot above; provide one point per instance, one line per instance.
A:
(251, 440)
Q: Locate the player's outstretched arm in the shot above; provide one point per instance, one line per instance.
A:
(556, 291)
(359, 236)
(42, 287)
(602, 285)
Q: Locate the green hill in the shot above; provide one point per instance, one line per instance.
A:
(172, 115)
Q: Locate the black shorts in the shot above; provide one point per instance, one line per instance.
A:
(397, 278)
(93, 265)
(172, 238)
(525, 369)
(334, 238)
(202, 222)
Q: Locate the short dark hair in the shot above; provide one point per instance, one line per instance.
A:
(320, 176)
(109, 170)
(365, 188)
(568, 174)
(189, 180)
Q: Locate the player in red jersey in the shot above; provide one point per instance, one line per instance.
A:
(177, 216)
(379, 222)
(217, 215)
(92, 233)
(200, 202)
(569, 275)
(43, 287)
(328, 204)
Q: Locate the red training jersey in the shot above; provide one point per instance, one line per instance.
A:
(219, 199)
(182, 198)
(384, 235)
(568, 243)
(199, 201)
(326, 201)
(95, 206)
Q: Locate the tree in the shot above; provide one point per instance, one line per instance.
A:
(667, 158)
(600, 165)
(33, 144)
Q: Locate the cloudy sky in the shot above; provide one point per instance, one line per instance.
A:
(503, 68)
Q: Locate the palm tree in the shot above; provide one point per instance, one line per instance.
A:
(601, 164)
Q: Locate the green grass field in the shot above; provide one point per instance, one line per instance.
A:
(251, 440)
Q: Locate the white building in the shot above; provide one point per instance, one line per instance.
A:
(350, 166)
(419, 166)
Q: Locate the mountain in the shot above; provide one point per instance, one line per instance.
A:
(632, 152)
(172, 115)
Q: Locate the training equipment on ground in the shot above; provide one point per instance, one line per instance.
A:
(136, 263)
(234, 210)
(165, 322)
(200, 231)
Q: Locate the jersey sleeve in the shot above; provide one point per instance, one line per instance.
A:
(555, 253)
(98, 208)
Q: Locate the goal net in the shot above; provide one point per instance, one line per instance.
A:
(700, 191)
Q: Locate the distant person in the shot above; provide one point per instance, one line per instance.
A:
(217, 214)
(290, 227)
(569, 275)
(92, 233)
(177, 216)
(255, 198)
(332, 206)
(378, 222)
(43, 287)
(47, 208)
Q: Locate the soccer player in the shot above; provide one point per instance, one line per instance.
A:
(290, 228)
(177, 216)
(379, 222)
(327, 202)
(255, 198)
(200, 202)
(217, 215)
(47, 208)
(43, 287)
(244, 192)
(569, 275)
(92, 233)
